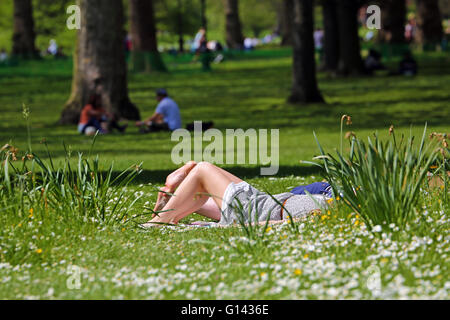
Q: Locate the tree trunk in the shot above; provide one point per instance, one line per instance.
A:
(234, 36)
(286, 20)
(350, 61)
(429, 22)
(24, 36)
(180, 27)
(203, 14)
(393, 21)
(331, 36)
(100, 55)
(304, 88)
(145, 55)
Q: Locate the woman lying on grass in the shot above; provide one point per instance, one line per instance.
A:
(215, 193)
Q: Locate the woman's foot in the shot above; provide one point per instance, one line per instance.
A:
(172, 182)
(159, 221)
(163, 197)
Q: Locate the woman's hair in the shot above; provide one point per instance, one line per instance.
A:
(95, 101)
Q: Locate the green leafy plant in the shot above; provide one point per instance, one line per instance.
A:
(380, 180)
(83, 190)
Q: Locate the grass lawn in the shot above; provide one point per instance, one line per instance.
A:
(333, 255)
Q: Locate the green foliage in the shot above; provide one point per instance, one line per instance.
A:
(328, 258)
(73, 192)
(50, 19)
(258, 16)
(380, 181)
(168, 15)
(6, 24)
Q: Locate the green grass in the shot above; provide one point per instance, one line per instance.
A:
(332, 256)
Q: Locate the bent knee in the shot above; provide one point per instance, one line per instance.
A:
(203, 166)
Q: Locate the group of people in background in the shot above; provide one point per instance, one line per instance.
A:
(53, 50)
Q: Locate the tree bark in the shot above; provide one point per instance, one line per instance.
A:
(286, 21)
(331, 36)
(429, 22)
(393, 21)
(24, 35)
(100, 55)
(304, 88)
(203, 14)
(234, 36)
(145, 55)
(350, 61)
(180, 27)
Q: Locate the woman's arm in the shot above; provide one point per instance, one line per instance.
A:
(95, 113)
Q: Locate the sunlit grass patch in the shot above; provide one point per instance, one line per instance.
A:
(333, 255)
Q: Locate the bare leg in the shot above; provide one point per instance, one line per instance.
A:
(210, 210)
(172, 182)
(203, 181)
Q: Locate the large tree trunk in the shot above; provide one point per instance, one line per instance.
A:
(234, 36)
(286, 20)
(100, 55)
(304, 88)
(393, 21)
(145, 55)
(350, 61)
(24, 36)
(429, 22)
(331, 36)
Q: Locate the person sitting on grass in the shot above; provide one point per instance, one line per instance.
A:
(210, 191)
(373, 62)
(166, 117)
(95, 118)
(3, 55)
(408, 65)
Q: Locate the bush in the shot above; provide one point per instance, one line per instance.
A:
(82, 191)
(381, 181)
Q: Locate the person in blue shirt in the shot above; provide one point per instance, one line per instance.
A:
(166, 117)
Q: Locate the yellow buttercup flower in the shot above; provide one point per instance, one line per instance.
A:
(297, 272)
(39, 251)
(306, 256)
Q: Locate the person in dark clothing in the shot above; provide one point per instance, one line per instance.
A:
(408, 65)
(373, 62)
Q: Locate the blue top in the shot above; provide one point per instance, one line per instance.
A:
(315, 188)
(169, 109)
